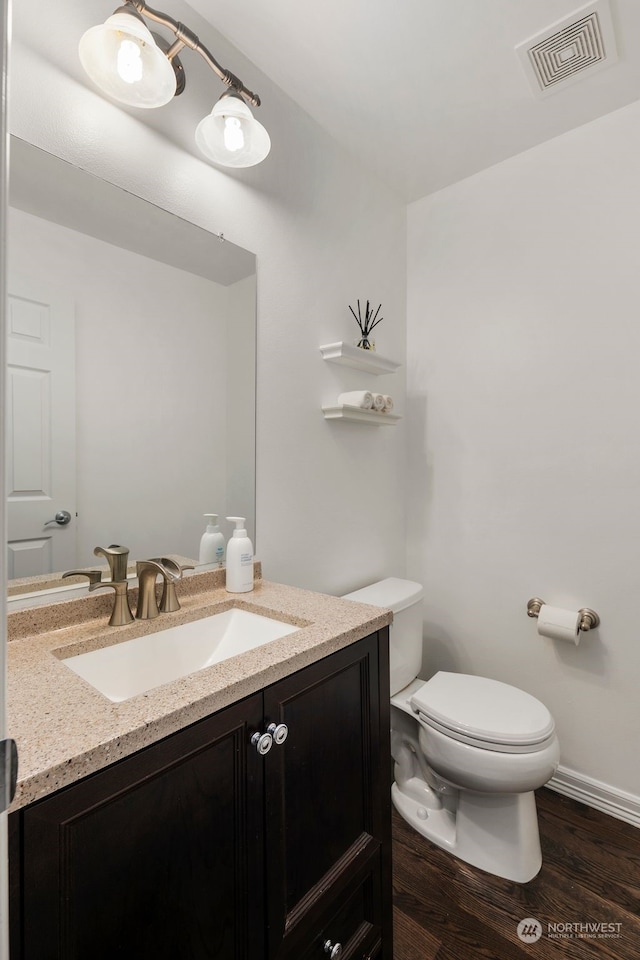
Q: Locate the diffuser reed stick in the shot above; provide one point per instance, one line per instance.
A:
(366, 323)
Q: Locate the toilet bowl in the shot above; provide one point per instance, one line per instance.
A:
(468, 751)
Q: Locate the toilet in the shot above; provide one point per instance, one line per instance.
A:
(468, 751)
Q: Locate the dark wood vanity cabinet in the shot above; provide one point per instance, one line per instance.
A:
(327, 807)
(200, 847)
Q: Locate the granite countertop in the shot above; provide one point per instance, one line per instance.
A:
(65, 729)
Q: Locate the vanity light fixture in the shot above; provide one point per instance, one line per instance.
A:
(140, 69)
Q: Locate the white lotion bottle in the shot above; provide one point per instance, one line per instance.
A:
(212, 542)
(239, 559)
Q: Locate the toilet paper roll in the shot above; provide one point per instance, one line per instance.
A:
(559, 624)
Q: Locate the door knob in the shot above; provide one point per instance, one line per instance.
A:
(62, 518)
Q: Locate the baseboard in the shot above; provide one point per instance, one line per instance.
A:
(617, 803)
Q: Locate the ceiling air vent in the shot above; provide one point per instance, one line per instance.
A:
(580, 44)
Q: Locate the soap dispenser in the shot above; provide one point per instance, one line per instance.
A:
(239, 559)
(212, 542)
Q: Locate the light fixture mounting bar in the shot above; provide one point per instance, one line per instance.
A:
(186, 38)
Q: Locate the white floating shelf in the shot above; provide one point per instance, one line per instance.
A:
(359, 359)
(358, 415)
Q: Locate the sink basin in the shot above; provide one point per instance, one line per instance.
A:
(126, 669)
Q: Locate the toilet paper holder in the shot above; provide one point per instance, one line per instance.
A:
(589, 619)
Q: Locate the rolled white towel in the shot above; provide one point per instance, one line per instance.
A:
(388, 403)
(357, 398)
(378, 402)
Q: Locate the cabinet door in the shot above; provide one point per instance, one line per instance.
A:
(328, 794)
(158, 857)
(354, 925)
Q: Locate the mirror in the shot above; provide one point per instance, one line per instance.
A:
(131, 374)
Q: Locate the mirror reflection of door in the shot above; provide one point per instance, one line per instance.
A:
(41, 468)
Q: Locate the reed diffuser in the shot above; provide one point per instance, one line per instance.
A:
(366, 324)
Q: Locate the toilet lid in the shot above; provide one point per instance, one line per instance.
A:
(481, 709)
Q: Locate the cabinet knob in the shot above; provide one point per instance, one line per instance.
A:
(279, 732)
(262, 742)
(333, 950)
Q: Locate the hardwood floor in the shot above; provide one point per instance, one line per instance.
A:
(447, 910)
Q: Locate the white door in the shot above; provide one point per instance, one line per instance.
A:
(41, 428)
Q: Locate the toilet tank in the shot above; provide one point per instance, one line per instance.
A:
(405, 598)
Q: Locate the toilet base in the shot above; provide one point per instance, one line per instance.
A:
(495, 832)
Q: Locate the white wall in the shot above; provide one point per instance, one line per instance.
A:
(523, 396)
(151, 395)
(329, 503)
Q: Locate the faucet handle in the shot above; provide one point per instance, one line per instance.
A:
(95, 576)
(116, 557)
(148, 571)
(121, 613)
(169, 602)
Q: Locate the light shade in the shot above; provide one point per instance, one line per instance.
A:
(231, 136)
(123, 60)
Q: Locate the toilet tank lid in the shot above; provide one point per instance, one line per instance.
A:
(393, 593)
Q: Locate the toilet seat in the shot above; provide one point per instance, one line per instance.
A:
(483, 713)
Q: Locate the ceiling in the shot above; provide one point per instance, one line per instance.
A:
(425, 92)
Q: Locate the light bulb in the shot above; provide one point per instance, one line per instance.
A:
(124, 61)
(233, 135)
(129, 62)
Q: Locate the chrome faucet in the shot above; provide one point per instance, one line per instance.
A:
(148, 571)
